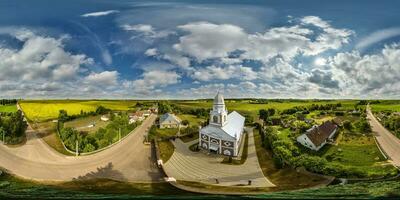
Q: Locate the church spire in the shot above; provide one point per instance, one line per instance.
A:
(218, 114)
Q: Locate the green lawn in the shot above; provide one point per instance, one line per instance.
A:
(8, 108)
(166, 132)
(193, 120)
(82, 124)
(166, 149)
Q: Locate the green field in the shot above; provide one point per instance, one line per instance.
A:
(8, 108)
(253, 108)
(193, 120)
(393, 105)
(49, 109)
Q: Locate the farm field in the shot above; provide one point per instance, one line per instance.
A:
(393, 105)
(247, 106)
(8, 108)
(36, 110)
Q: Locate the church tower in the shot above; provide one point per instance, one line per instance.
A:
(218, 115)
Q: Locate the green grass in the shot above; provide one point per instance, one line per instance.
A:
(189, 138)
(166, 132)
(386, 105)
(42, 110)
(81, 124)
(193, 120)
(166, 149)
(8, 108)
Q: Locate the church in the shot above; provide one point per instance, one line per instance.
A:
(224, 133)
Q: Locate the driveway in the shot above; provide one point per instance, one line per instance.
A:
(388, 142)
(130, 160)
(197, 166)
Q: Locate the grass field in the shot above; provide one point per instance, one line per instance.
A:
(246, 106)
(49, 109)
(8, 108)
(166, 150)
(193, 120)
(393, 105)
(83, 124)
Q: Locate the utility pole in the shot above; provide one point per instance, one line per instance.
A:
(119, 134)
(76, 148)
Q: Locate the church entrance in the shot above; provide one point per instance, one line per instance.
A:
(214, 148)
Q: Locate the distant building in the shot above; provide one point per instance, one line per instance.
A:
(224, 133)
(169, 120)
(317, 136)
(104, 118)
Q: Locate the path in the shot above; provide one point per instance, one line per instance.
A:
(196, 166)
(130, 160)
(388, 142)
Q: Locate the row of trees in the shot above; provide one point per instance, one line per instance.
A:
(87, 142)
(12, 127)
(8, 101)
(392, 122)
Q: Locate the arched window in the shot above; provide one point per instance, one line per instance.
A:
(215, 119)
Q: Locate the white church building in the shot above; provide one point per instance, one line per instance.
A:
(224, 132)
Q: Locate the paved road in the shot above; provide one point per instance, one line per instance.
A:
(388, 142)
(130, 160)
(197, 166)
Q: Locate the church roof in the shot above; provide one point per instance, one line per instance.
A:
(168, 117)
(232, 129)
(219, 99)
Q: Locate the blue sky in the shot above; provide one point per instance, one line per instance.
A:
(191, 49)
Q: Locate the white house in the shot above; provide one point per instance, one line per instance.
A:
(224, 133)
(317, 136)
(104, 118)
(169, 120)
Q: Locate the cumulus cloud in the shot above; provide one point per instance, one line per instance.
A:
(103, 79)
(151, 80)
(224, 73)
(147, 31)
(371, 74)
(40, 58)
(100, 13)
(206, 40)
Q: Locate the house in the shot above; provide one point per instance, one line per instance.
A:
(317, 136)
(146, 113)
(169, 120)
(224, 133)
(105, 118)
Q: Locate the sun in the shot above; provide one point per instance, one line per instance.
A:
(320, 61)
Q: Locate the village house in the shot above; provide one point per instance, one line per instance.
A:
(317, 136)
(169, 120)
(105, 118)
(224, 133)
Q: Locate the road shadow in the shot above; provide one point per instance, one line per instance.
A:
(106, 172)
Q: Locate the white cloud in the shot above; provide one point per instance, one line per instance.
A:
(366, 75)
(206, 40)
(377, 36)
(151, 80)
(151, 52)
(103, 79)
(212, 73)
(147, 31)
(100, 13)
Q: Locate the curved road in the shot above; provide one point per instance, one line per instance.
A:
(389, 143)
(130, 160)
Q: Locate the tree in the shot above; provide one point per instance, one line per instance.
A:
(63, 116)
(347, 125)
(100, 110)
(185, 122)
